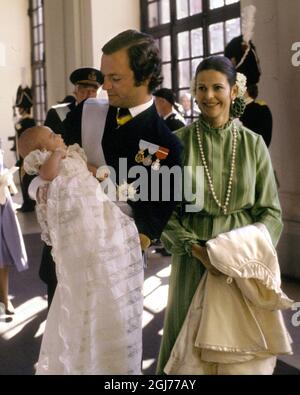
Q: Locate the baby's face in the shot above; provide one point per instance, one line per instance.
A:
(50, 140)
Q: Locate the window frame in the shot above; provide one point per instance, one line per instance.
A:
(201, 20)
(38, 66)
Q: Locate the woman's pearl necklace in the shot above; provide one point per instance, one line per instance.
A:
(210, 183)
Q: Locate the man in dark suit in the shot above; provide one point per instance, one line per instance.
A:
(131, 67)
(167, 108)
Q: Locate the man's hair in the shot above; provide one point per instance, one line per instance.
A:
(252, 91)
(143, 54)
(29, 141)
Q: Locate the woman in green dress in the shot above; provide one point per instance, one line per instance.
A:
(239, 188)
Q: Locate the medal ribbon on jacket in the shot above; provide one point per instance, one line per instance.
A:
(153, 149)
(143, 146)
(160, 154)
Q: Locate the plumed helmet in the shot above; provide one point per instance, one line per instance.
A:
(24, 97)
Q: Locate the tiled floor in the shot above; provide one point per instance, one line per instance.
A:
(31, 313)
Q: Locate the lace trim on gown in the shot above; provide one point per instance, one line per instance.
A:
(95, 322)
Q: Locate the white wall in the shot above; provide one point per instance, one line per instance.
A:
(68, 40)
(277, 28)
(15, 40)
(110, 17)
(75, 31)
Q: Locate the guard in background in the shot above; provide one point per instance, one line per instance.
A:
(86, 81)
(257, 115)
(242, 53)
(57, 114)
(24, 104)
(167, 108)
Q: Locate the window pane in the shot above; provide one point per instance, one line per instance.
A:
(36, 53)
(195, 7)
(42, 76)
(35, 35)
(165, 49)
(164, 7)
(40, 15)
(227, 2)
(232, 28)
(41, 33)
(197, 42)
(34, 20)
(41, 51)
(152, 15)
(215, 4)
(42, 96)
(195, 64)
(216, 37)
(37, 77)
(166, 71)
(184, 74)
(37, 94)
(182, 9)
(183, 45)
(43, 111)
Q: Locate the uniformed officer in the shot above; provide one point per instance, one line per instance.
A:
(87, 81)
(168, 109)
(24, 102)
(257, 115)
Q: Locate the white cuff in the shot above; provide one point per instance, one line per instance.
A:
(34, 186)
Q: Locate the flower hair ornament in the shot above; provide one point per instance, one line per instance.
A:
(238, 105)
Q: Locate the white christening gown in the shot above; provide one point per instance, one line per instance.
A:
(94, 325)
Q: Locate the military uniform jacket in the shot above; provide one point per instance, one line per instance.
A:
(173, 122)
(56, 115)
(123, 142)
(258, 118)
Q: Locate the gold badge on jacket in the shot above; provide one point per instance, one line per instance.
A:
(152, 149)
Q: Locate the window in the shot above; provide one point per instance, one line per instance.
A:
(186, 32)
(36, 14)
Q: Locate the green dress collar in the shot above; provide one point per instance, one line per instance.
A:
(206, 127)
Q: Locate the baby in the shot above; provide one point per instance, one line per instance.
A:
(94, 324)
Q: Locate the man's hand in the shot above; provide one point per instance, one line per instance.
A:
(92, 169)
(201, 254)
(145, 241)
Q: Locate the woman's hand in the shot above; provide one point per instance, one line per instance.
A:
(201, 254)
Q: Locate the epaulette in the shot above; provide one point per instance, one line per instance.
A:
(261, 102)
